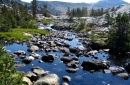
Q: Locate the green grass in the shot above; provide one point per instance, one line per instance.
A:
(17, 34)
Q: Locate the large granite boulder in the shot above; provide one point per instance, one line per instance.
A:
(50, 79)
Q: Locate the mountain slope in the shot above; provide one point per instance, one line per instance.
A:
(109, 3)
(61, 7)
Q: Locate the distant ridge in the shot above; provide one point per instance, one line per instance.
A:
(61, 7)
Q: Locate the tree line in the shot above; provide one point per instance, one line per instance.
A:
(85, 12)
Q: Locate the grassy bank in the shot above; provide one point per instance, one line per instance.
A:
(17, 34)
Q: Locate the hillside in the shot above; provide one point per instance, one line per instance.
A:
(61, 7)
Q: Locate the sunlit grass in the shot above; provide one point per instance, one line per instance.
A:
(17, 33)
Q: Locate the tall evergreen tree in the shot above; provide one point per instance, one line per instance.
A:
(34, 8)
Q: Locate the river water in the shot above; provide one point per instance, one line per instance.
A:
(81, 77)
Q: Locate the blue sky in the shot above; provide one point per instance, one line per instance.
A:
(87, 1)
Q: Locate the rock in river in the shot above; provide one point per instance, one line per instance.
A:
(50, 79)
(95, 65)
(33, 48)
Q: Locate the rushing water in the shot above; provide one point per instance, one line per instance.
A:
(81, 77)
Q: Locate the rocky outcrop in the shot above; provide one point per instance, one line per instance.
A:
(50, 79)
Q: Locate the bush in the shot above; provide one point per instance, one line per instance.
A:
(8, 73)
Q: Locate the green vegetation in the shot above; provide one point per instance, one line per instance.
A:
(17, 33)
(119, 35)
(47, 21)
(80, 26)
(8, 73)
(45, 11)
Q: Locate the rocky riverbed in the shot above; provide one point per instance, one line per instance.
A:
(67, 58)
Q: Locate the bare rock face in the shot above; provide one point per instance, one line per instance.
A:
(50, 79)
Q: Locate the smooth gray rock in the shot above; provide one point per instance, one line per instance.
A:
(33, 48)
(50, 79)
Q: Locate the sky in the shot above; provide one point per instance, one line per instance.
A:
(75, 1)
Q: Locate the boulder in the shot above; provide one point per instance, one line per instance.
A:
(29, 59)
(50, 79)
(95, 65)
(66, 78)
(33, 48)
(20, 52)
(27, 80)
(49, 57)
(22, 56)
(81, 48)
(66, 59)
(32, 76)
(123, 75)
(73, 50)
(73, 64)
(35, 55)
(117, 69)
(39, 71)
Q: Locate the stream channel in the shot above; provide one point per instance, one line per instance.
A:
(80, 77)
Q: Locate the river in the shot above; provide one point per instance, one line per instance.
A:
(81, 77)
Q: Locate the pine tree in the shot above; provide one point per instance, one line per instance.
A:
(34, 8)
(119, 38)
